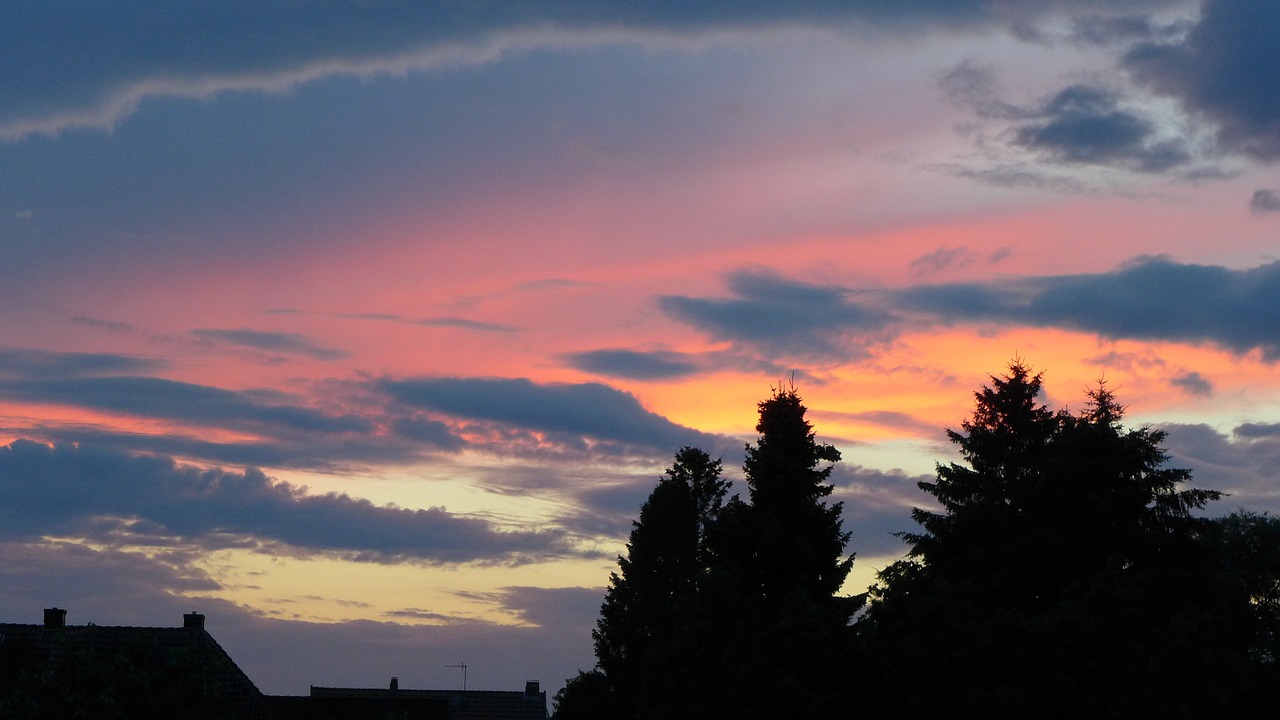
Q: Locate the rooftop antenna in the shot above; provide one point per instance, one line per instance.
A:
(464, 674)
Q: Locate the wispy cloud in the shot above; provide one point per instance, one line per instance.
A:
(200, 53)
(634, 364)
(1265, 200)
(28, 363)
(280, 342)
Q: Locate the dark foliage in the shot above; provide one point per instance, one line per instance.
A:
(1065, 575)
(653, 606)
(781, 564)
(723, 609)
(1065, 571)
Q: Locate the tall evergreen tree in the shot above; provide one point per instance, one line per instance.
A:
(1063, 573)
(643, 639)
(781, 566)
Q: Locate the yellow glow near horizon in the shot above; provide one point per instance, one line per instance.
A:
(329, 590)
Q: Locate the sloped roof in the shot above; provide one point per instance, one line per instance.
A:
(124, 671)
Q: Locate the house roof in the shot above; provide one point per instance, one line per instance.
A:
(531, 704)
(123, 671)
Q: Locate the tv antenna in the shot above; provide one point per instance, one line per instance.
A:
(464, 674)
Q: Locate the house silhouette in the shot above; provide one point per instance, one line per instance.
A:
(55, 670)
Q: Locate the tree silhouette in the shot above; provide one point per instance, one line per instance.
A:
(1064, 573)
(645, 639)
(780, 567)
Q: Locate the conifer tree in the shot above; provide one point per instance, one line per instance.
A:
(1064, 570)
(644, 637)
(783, 556)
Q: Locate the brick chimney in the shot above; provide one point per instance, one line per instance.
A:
(395, 684)
(193, 621)
(531, 689)
(55, 617)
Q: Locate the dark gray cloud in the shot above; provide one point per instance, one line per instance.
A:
(1083, 124)
(186, 402)
(1256, 431)
(586, 411)
(790, 318)
(69, 67)
(82, 491)
(323, 452)
(1079, 124)
(1147, 299)
(555, 607)
(279, 342)
(1244, 463)
(634, 364)
(1265, 200)
(1193, 383)
(28, 364)
(1223, 71)
(1152, 299)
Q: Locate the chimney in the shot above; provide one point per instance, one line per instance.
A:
(395, 684)
(193, 621)
(531, 689)
(55, 617)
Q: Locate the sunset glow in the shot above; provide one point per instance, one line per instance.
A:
(391, 329)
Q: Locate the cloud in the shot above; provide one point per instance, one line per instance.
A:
(288, 343)
(112, 587)
(60, 80)
(71, 491)
(1083, 124)
(1222, 72)
(877, 505)
(1147, 299)
(554, 607)
(585, 411)
(444, 321)
(1264, 200)
(1150, 299)
(884, 418)
(24, 363)
(633, 364)
(465, 324)
(786, 317)
(186, 402)
(1107, 30)
(1244, 463)
(312, 452)
(943, 258)
(1080, 124)
(91, 69)
(1193, 383)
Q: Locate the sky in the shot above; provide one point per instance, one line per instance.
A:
(366, 328)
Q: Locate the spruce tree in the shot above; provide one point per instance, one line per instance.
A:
(646, 639)
(783, 554)
(1063, 573)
